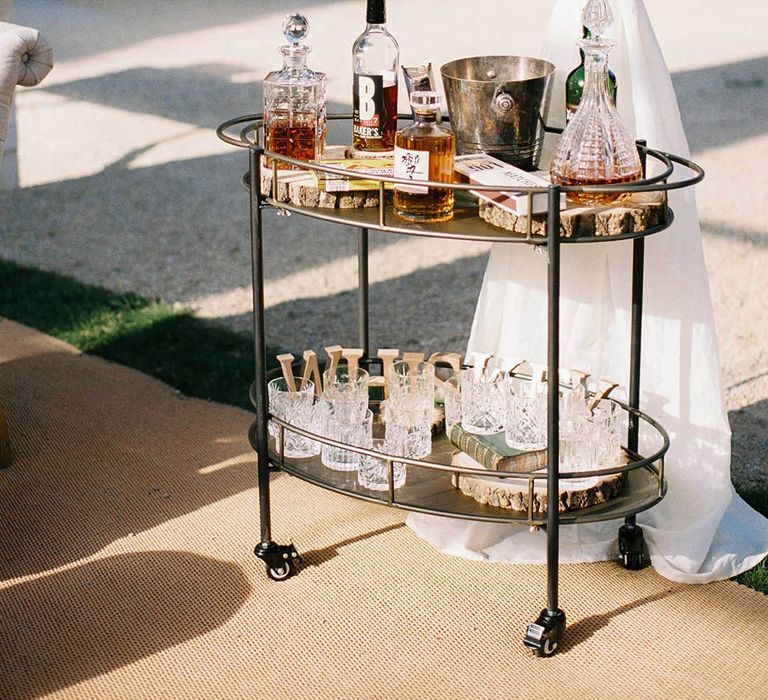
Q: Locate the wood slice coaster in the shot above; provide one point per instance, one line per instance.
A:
(637, 212)
(300, 188)
(512, 493)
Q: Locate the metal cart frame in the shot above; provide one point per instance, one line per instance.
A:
(543, 635)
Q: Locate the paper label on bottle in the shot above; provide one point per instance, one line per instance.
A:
(368, 106)
(411, 165)
(389, 78)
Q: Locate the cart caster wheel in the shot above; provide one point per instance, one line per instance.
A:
(281, 572)
(632, 547)
(280, 560)
(545, 635)
(633, 562)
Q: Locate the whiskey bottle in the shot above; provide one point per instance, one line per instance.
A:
(574, 84)
(375, 58)
(294, 100)
(424, 151)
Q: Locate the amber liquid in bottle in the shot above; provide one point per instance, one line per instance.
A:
(293, 135)
(387, 128)
(597, 198)
(423, 141)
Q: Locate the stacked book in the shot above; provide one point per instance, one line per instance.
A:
(493, 453)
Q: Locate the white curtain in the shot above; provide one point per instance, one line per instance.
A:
(702, 531)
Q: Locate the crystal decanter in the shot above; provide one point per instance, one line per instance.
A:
(596, 147)
(294, 100)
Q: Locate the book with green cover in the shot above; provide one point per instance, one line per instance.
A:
(493, 452)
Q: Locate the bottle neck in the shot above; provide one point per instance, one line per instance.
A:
(376, 12)
(585, 34)
(422, 116)
(596, 70)
(294, 56)
(372, 27)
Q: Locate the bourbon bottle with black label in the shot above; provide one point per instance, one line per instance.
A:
(375, 56)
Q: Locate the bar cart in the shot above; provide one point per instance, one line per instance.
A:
(429, 487)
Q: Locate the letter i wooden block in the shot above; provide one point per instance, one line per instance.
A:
(387, 357)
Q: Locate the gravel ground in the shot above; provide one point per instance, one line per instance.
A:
(121, 182)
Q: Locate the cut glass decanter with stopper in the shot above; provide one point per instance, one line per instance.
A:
(596, 147)
(294, 99)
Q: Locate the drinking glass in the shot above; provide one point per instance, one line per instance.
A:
(451, 402)
(526, 414)
(409, 408)
(412, 378)
(296, 408)
(346, 389)
(577, 440)
(373, 472)
(351, 431)
(482, 401)
(408, 433)
(578, 449)
(605, 417)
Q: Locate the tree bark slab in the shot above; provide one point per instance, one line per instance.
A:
(513, 494)
(299, 187)
(637, 212)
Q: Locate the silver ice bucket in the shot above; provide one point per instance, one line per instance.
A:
(498, 105)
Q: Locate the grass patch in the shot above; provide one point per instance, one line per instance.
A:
(192, 355)
(756, 577)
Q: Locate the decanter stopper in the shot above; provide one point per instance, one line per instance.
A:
(295, 28)
(597, 16)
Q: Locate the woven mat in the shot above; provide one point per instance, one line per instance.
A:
(127, 525)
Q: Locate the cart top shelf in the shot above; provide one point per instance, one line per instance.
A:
(671, 172)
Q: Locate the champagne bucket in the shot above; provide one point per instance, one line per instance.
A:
(498, 105)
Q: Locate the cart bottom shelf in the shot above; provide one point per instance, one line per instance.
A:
(432, 491)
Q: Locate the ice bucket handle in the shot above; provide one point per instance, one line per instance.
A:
(503, 102)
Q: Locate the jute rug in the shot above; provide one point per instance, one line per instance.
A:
(127, 525)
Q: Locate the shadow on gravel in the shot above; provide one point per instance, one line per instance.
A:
(139, 20)
(177, 230)
(174, 93)
(733, 234)
(429, 310)
(167, 93)
(749, 425)
(723, 104)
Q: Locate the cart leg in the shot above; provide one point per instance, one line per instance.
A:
(631, 540)
(280, 560)
(545, 635)
(362, 278)
(631, 545)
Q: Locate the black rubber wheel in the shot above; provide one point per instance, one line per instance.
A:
(281, 572)
(549, 647)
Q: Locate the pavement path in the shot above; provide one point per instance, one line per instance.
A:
(121, 182)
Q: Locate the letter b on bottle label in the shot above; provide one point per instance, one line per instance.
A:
(367, 91)
(367, 106)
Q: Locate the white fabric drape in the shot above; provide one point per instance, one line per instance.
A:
(702, 531)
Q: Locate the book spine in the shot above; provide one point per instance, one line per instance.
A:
(483, 454)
